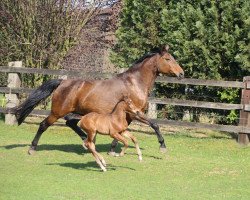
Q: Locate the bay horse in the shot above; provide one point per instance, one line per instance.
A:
(114, 125)
(84, 96)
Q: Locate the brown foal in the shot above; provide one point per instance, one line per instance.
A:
(113, 124)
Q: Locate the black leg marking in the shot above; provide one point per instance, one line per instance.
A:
(43, 127)
(113, 145)
(72, 123)
(159, 135)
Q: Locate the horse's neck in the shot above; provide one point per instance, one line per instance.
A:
(145, 74)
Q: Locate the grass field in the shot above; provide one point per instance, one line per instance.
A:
(197, 166)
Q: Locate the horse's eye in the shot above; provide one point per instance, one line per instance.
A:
(167, 59)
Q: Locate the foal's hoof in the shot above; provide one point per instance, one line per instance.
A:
(104, 170)
(31, 151)
(140, 158)
(163, 149)
(84, 146)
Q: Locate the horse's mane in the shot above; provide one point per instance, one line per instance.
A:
(136, 65)
(145, 56)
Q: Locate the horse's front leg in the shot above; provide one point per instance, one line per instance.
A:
(142, 118)
(155, 126)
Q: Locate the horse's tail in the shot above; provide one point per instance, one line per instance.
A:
(41, 93)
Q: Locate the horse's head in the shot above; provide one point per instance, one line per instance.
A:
(168, 65)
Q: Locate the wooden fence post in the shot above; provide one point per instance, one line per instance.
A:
(243, 138)
(14, 81)
(152, 108)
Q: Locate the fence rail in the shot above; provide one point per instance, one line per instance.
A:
(244, 126)
(192, 81)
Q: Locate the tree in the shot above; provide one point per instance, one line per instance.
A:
(138, 30)
(210, 39)
(41, 32)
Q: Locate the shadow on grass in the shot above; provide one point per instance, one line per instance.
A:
(69, 148)
(13, 146)
(89, 166)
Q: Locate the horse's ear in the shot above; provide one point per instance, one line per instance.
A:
(165, 48)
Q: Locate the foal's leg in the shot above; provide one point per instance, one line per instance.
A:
(91, 146)
(115, 142)
(152, 125)
(43, 127)
(120, 138)
(134, 140)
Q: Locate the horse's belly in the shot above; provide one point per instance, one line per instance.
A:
(101, 99)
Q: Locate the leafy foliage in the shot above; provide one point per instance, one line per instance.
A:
(210, 39)
(138, 30)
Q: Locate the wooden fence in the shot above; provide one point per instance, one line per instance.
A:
(243, 129)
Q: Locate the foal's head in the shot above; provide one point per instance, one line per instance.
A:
(168, 65)
(130, 106)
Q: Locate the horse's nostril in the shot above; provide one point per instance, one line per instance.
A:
(181, 75)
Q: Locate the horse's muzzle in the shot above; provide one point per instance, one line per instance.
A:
(181, 75)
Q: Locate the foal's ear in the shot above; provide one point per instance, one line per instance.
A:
(127, 99)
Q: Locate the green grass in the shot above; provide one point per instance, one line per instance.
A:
(212, 167)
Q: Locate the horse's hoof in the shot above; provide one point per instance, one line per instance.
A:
(111, 153)
(163, 149)
(31, 151)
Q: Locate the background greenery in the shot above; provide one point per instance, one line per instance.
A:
(198, 166)
(210, 39)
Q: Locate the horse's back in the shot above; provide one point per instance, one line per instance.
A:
(85, 96)
(65, 97)
(101, 96)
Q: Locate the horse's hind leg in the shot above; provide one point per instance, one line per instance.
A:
(43, 127)
(134, 140)
(112, 148)
(72, 123)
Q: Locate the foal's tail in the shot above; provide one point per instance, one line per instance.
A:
(41, 93)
